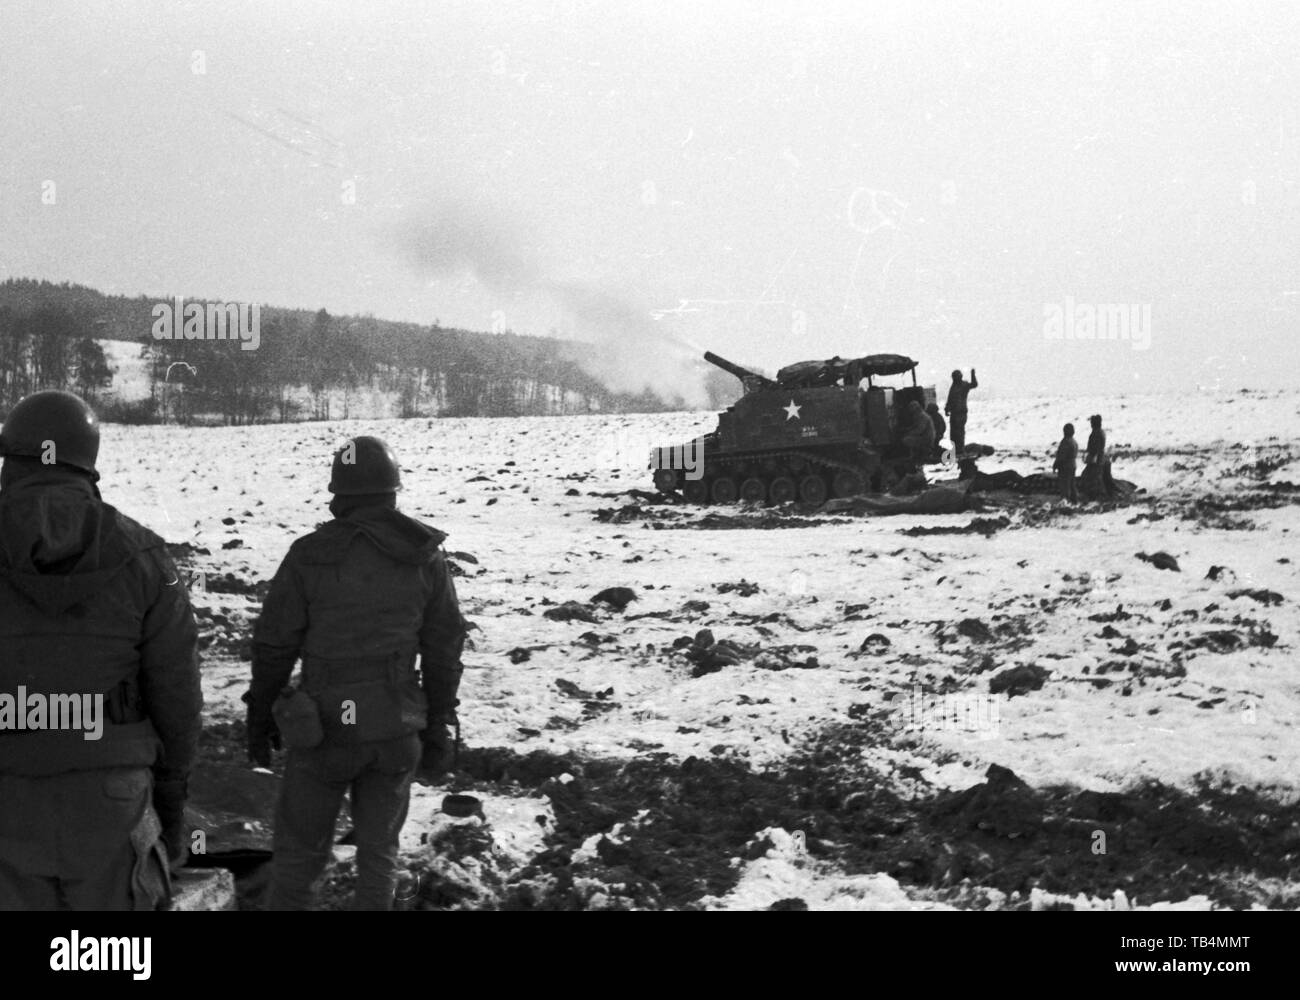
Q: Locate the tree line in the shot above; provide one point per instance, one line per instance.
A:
(306, 366)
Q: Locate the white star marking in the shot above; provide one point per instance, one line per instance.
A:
(791, 411)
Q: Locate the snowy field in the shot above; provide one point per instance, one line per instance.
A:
(1143, 724)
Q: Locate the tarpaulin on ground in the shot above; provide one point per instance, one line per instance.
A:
(1088, 484)
(233, 806)
(935, 500)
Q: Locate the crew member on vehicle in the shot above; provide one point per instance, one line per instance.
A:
(920, 436)
(940, 429)
(956, 408)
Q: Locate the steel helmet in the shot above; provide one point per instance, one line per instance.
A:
(54, 426)
(365, 465)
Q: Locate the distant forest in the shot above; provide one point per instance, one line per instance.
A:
(308, 366)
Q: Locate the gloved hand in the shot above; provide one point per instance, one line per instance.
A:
(169, 804)
(439, 748)
(263, 733)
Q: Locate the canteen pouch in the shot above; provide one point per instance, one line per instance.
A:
(298, 719)
(366, 700)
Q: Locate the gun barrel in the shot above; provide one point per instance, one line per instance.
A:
(728, 366)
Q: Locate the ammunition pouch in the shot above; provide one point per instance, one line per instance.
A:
(361, 700)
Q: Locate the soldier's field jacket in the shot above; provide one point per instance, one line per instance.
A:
(356, 600)
(91, 605)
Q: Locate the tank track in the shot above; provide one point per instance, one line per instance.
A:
(731, 466)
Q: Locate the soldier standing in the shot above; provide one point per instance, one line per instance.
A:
(93, 615)
(1067, 458)
(920, 436)
(956, 409)
(1097, 463)
(940, 428)
(357, 600)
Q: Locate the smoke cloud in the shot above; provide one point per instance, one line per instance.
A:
(624, 348)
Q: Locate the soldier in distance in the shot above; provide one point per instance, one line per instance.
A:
(919, 437)
(956, 408)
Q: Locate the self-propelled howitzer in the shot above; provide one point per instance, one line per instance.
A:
(752, 381)
(812, 432)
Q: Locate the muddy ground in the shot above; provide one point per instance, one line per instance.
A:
(680, 830)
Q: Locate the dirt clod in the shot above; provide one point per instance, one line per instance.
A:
(617, 598)
(570, 611)
(1018, 680)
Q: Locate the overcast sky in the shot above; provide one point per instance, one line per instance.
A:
(773, 181)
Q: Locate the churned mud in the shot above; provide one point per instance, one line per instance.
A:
(660, 833)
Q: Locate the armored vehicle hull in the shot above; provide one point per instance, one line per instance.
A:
(810, 434)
